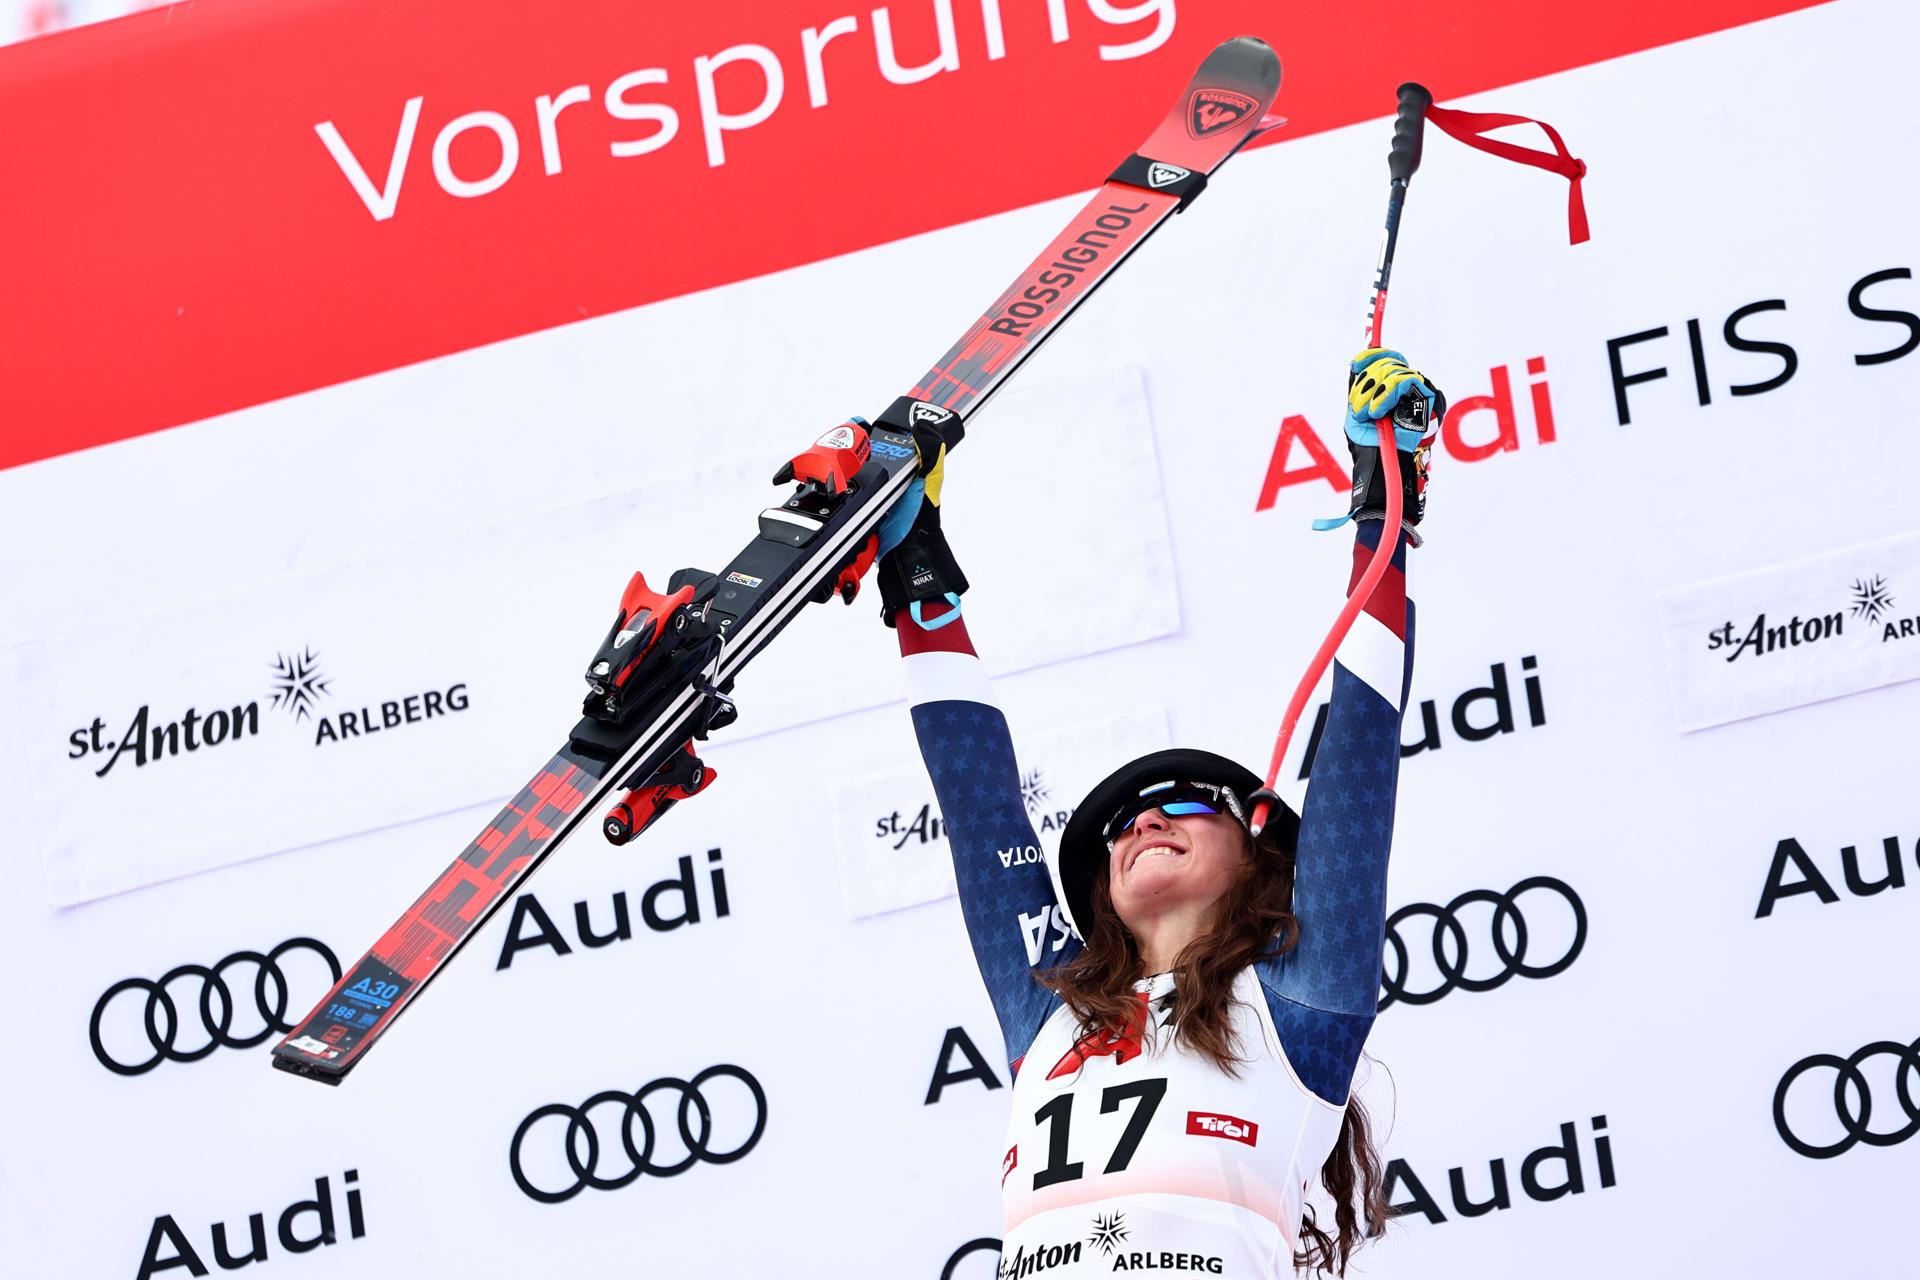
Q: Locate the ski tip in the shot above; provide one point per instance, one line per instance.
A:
(1244, 62)
(1226, 102)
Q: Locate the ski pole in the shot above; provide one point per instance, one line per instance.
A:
(1403, 158)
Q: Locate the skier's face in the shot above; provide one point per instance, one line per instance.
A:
(1162, 864)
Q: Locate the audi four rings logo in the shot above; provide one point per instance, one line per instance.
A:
(1449, 942)
(162, 1019)
(1849, 1083)
(653, 1150)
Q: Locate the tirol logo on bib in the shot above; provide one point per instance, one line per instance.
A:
(1206, 1124)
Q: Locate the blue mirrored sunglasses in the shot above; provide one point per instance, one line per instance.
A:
(1176, 798)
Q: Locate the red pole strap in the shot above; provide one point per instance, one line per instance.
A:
(1471, 126)
(1356, 601)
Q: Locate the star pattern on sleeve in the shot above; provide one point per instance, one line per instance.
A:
(969, 755)
(1323, 1048)
(1323, 994)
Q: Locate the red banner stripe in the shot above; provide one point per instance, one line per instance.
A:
(204, 212)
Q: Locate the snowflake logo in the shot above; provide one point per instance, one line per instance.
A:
(297, 682)
(1109, 1229)
(1871, 599)
(1034, 790)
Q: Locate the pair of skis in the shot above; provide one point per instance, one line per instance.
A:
(660, 681)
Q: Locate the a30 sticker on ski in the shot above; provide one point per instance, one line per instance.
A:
(659, 681)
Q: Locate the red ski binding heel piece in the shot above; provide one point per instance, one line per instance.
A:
(678, 779)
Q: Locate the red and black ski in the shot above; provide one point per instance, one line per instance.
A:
(660, 680)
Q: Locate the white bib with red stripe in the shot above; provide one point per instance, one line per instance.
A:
(1129, 1156)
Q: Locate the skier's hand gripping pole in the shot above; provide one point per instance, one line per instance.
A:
(1381, 388)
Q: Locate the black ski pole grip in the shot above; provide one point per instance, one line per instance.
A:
(1408, 129)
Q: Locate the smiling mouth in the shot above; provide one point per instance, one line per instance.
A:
(1153, 850)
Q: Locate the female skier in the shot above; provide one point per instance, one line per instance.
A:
(1181, 1078)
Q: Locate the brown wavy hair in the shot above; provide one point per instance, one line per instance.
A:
(1255, 921)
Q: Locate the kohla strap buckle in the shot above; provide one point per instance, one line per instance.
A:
(920, 569)
(951, 615)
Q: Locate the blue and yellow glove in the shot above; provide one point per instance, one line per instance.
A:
(1378, 380)
(915, 563)
(1382, 387)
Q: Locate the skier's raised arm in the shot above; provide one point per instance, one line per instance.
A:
(1346, 830)
(1005, 895)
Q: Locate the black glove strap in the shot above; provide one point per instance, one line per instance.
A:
(1370, 489)
(920, 568)
(1414, 413)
